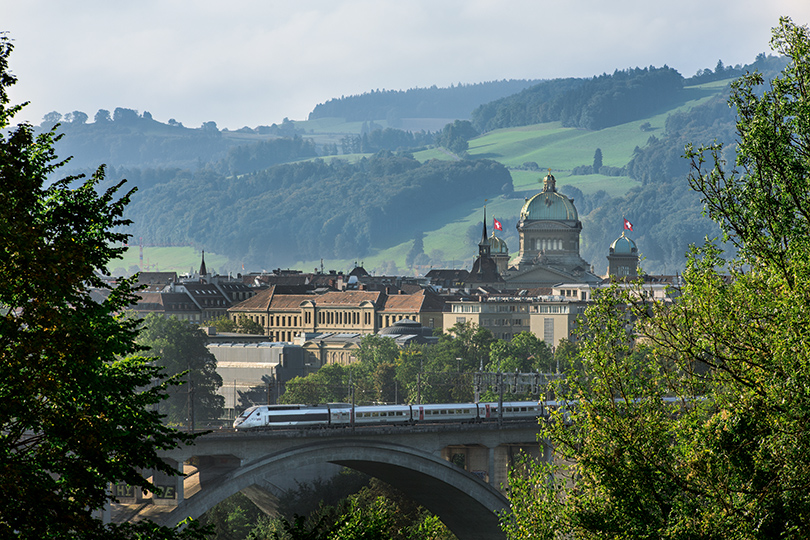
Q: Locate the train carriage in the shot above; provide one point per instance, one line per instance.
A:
(383, 414)
(445, 412)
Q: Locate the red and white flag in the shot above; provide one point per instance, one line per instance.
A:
(628, 226)
(496, 224)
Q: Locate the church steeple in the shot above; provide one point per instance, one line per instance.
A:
(483, 245)
(203, 269)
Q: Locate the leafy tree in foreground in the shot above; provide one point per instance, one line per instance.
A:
(75, 405)
(727, 454)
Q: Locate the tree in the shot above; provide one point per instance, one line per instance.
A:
(50, 119)
(76, 403)
(102, 116)
(454, 136)
(243, 325)
(180, 349)
(417, 249)
(76, 117)
(689, 420)
(597, 160)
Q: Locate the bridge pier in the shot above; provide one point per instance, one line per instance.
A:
(169, 488)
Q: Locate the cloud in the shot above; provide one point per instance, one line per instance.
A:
(255, 62)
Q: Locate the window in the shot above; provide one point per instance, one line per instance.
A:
(548, 330)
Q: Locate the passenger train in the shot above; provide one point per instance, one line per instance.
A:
(343, 414)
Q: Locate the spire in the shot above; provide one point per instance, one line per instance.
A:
(203, 270)
(484, 236)
(483, 245)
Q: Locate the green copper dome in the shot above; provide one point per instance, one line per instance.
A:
(497, 246)
(623, 246)
(549, 205)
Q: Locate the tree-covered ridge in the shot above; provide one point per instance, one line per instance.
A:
(600, 102)
(131, 139)
(453, 102)
(310, 209)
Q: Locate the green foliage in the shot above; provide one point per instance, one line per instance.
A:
(437, 373)
(454, 136)
(524, 353)
(76, 404)
(328, 384)
(180, 349)
(243, 325)
(232, 519)
(533, 507)
(689, 420)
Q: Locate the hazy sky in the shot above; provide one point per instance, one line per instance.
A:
(253, 62)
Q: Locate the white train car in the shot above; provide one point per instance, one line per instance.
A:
(445, 412)
(512, 410)
(382, 414)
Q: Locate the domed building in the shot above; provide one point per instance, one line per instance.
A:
(549, 230)
(623, 258)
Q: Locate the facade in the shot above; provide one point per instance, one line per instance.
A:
(284, 317)
(551, 317)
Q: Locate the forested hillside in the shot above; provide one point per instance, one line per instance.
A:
(603, 101)
(135, 140)
(308, 210)
(392, 105)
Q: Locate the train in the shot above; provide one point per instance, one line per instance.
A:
(344, 414)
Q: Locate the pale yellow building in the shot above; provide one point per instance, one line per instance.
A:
(287, 316)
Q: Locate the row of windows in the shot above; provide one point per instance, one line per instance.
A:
(466, 308)
(340, 317)
(282, 336)
(337, 317)
(504, 322)
(551, 309)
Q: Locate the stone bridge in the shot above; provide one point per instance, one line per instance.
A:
(454, 470)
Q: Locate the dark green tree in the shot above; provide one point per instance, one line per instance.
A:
(76, 403)
(597, 160)
(417, 249)
(180, 349)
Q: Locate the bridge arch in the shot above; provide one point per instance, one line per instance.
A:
(466, 504)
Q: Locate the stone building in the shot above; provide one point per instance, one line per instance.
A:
(549, 230)
(286, 316)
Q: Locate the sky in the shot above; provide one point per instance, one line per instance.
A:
(255, 62)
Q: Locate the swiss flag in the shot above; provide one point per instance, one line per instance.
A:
(628, 226)
(496, 224)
